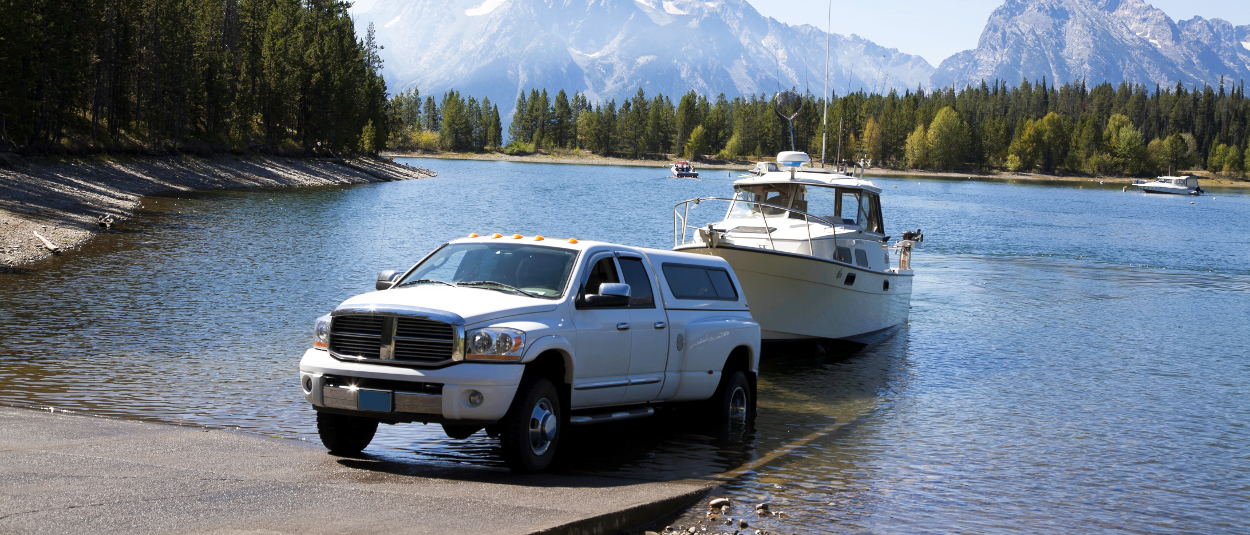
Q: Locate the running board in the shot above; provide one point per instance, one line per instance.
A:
(611, 416)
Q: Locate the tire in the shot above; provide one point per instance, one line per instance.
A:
(460, 432)
(733, 404)
(345, 435)
(529, 433)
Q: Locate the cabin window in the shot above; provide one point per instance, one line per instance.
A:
(640, 294)
(844, 254)
(844, 208)
(861, 258)
(699, 282)
(869, 217)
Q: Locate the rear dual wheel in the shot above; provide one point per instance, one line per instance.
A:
(733, 405)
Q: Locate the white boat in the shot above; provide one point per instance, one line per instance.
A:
(810, 249)
(1177, 185)
(683, 170)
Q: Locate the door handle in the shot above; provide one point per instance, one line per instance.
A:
(660, 325)
(622, 326)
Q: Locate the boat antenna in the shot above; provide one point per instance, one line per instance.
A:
(839, 139)
(787, 104)
(824, 122)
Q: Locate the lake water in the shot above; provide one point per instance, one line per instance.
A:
(1076, 359)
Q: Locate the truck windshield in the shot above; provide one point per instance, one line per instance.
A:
(541, 271)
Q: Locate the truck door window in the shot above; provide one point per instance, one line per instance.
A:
(640, 295)
(604, 271)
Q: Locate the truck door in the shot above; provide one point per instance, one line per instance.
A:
(649, 352)
(601, 368)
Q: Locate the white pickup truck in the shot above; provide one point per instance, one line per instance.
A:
(524, 336)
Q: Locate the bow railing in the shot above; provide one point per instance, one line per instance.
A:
(681, 218)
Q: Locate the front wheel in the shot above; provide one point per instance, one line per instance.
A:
(530, 432)
(345, 435)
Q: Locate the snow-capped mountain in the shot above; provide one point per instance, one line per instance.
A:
(1099, 40)
(610, 48)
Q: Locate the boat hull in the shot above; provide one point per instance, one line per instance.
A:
(1170, 191)
(797, 297)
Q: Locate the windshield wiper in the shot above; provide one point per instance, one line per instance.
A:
(423, 281)
(499, 284)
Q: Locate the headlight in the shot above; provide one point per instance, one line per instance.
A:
(496, 344)
(321, 333)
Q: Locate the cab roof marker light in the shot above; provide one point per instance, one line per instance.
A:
(473, 235)
(496, 235)
(572, 240)
(516, 236)
(539, 238)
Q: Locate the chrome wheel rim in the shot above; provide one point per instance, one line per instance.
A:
(738, 405)
(543, 426)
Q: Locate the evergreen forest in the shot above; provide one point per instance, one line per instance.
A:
(166, 76)
(1031, 127)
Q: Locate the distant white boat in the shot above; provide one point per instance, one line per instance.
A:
(1177, 185)
(683, 170)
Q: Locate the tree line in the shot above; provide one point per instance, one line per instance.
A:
(199, 75)
(1128, 129)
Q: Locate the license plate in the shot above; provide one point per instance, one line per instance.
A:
(374, 400)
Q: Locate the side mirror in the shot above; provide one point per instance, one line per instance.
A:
(611, 294)
(386, 279)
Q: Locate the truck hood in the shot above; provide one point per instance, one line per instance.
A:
(474, 305)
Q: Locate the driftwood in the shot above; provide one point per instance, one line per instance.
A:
(51, 246)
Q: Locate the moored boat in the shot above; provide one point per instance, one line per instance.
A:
(1176, 185)
(810, 249)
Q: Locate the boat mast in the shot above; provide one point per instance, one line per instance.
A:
(824, 130)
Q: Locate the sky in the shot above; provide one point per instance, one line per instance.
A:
(934, 30)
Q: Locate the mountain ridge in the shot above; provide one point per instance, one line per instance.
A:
(611, 48)
(1096, 41)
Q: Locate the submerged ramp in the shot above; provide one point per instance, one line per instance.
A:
(65, 473)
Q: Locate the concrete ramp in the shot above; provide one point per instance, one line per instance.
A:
(66, 473)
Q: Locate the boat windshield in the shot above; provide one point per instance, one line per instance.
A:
(542, 271)
(746, 197)
(841, 206)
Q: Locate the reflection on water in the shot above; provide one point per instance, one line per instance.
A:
(1075, 359)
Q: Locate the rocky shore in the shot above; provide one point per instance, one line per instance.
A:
(49, 205)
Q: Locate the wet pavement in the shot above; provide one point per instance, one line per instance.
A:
(77, 474)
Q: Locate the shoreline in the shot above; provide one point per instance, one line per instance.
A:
(50, 203)
(1206, 178)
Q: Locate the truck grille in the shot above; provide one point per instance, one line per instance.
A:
(423, 340)
(357, 336)
(391, 338)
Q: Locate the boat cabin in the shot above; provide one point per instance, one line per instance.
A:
(817, 213)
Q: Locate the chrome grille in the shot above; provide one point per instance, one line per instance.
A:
(423, 340)
(395, 339)
(357, 336)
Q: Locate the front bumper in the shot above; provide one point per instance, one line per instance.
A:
(328, 385)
